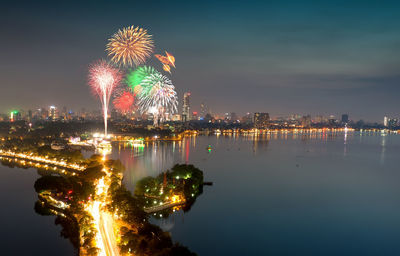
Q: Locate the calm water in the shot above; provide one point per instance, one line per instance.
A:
(279, 195)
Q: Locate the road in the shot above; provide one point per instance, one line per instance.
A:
(107, 234)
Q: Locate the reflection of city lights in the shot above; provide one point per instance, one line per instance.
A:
(44, 160)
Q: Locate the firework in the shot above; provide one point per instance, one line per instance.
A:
(124, 102)
(130, 46)
(103, 79)
(161, 100)
(167, 61)
(135, 77)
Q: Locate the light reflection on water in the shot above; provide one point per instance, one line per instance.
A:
(156, 157)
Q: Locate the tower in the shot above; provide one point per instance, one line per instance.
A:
(186, 107)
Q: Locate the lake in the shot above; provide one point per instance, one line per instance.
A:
(325, 194)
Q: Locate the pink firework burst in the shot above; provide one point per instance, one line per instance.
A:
(103, 79)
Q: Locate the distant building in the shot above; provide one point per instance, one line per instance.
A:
(208, 118)
(227, 117)
(203, 110)
(390, 122)
(261, 120)
(234, 117)
(52, 113)
(186, 107)
(345, 119)
(15, 115)
(319, 119)
(195, 115)
(332, 120)
(30, 115)
(306, 121)
(247, 119)
(393, 122)
(42, 114)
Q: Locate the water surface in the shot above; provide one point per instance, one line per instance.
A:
(272, 195)
(286, 195)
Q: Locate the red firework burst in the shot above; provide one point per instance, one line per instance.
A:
(124, 102)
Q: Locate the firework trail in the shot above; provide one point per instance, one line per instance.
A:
(103, 79)
(130, 46)
(162, 98)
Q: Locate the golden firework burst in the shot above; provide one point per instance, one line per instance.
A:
(130, 46)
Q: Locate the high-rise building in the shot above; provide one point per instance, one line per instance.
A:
(203, 110)
(385, 121)
(345, 118)
(261, 120)
(30, 115)
(52, 113)
(186, 107)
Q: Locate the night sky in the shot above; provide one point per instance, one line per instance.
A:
(281, 57)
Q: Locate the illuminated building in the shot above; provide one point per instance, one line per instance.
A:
(53, 113)
(186, 107)
(261, 120)
(390, 122)
(194, 115)
(15, 115)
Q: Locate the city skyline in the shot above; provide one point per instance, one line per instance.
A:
(197, 112)
(54, 113)
(310, 58)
